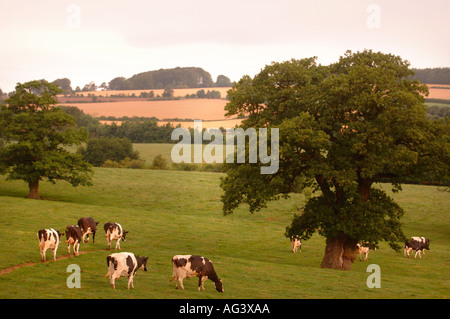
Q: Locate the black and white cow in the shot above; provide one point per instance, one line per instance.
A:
(124, 264)
(114, 231)
(361, 249)
(48, 239)
(296, 243)
(88, 226)
(419, 244)
(186, 266)
(73, 235)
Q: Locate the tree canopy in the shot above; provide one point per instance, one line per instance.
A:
(343, 128)
(37, 135)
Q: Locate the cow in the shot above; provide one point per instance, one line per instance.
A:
(362, 249)
(186, 266)
(73, 235)
(419, 244)
(124, 264)
(48, 239)
(296, 242)
(88, 226)
(114, 231)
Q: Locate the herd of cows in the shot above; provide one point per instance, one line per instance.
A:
(418, 244)
(126, 264)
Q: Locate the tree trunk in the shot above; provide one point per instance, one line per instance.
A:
(34, 190)
(340, 253)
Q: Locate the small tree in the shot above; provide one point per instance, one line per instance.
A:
(37, 135)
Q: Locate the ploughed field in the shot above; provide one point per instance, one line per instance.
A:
(178, 212)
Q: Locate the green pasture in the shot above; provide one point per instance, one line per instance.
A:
(177, 212)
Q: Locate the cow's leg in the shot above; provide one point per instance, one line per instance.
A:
(54, 253)
(118, 243)
(42, 251)
(180, 279)
(112, 280)
(407, 250)
(93, 237)
(76, 248)
(130, 281)
(201, 280)
(108, 240)
(418, 252)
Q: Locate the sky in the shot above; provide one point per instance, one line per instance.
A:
(99, 40)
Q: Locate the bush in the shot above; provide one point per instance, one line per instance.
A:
(159, 162)
(98, 150)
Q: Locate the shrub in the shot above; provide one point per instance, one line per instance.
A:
(159, 162)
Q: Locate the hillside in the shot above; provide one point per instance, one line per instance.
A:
(433, 75)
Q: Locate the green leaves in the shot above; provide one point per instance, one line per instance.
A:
(37, 135)
(343, 128)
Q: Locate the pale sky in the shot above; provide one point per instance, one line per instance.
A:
(99, 40)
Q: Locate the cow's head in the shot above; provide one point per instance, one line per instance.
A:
(218, 285)
(142, 262)
(124, 234)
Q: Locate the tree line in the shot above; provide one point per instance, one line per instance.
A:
(191, 77)
(433, 75)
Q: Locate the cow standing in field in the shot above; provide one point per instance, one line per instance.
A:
(114, 231)
(48, 239)
(124, 264)
(296, 243)
(419, 244)
(73, 235)
(186, 266)
(362, 250)
(88, 226)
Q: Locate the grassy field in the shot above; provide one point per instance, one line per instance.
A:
(173, 212)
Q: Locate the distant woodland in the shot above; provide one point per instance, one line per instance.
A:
(175, 78)
(433, 76)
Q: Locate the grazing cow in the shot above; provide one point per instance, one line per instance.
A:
(186, 266)
(362, 249)
(73, 235)
(124, 264)
(419, 244)
(296, 242)
(48, 239)
(88, 226)
(114, 231)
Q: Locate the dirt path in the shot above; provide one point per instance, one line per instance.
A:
(11, 269)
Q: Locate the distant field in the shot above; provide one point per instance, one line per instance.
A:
(176, 93)
(204, 109)
(148, 151)
(439, 91)
(172, 212)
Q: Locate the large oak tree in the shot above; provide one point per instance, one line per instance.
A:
(343, 128)
(37, 135)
